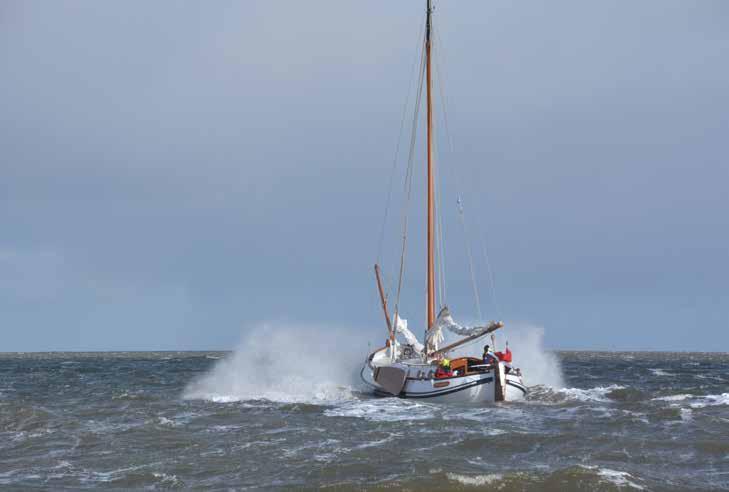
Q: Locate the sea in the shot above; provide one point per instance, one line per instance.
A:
(235, 421)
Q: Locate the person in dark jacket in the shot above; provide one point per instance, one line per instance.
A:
(488, 356)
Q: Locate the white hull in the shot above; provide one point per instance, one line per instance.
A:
(481, 387)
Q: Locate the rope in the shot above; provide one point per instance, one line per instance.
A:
(492, 284)
(409, 183)
(397, 147)
(470, 260)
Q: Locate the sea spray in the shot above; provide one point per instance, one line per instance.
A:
(538, 365)
(318, 364)
(288, 363)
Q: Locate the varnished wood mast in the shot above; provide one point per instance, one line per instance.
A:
(431, 184)
(383, 300)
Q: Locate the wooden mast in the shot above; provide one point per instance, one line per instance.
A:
(383, 300)
(431, 184)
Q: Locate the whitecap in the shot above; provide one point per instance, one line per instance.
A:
(474, 480)
(376, 443)
(680, 397)
(712, 400)
(598, 393)
(168, 480)
(697, 401)
(383, 410)
(660, 372)
(167, 422)
(618, 478)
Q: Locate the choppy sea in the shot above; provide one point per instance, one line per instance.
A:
(158, 420)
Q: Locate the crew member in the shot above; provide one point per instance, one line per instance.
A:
(488, 356)
(505, 357)
(444, 369)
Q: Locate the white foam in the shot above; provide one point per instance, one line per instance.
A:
(686, 415)
(697, 401)
(618, 478)
(474, 480)
(673, 397)
(539, 366)
(598, 393)
(375, 444)
(660, 372)
(711, 400)
(383, 410)
(168, 480)
(167, 422)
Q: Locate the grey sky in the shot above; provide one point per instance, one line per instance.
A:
(174, 172)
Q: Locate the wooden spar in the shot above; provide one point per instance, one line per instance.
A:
(383, 298)
(431, 184)
(495, 325)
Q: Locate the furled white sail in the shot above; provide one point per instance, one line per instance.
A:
(401, 326)
(445, 320)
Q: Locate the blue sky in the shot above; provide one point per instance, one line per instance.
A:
(172, 174)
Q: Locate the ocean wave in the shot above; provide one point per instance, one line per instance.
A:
(589, 477)
(383, 410)
(680, 397)
(711, 401)
(475, 480)
(599, 393)
(298, 392)
(697, 401)
(660, 372)
(618, 478)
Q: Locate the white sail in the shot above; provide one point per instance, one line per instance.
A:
(401, 326)
(445, 320)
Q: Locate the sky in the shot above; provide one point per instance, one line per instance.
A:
(173, 174)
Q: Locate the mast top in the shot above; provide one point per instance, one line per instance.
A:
(427, 21)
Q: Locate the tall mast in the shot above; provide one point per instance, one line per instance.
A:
(431, 184)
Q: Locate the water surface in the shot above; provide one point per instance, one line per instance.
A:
(653, 421)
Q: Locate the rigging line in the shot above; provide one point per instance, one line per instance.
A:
(470, 260)
(449, 137)
(397, 147)
(441, 88)
(409, 183)
(497, 308)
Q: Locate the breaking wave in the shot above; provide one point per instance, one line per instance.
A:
(696, 401)
(599, 393)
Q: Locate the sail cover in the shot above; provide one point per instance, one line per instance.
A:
(401, 326)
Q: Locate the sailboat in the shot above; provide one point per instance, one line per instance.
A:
(430, 369)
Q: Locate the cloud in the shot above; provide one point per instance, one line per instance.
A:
(187, 164)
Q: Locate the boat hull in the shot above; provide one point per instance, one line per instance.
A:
(482, 387)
